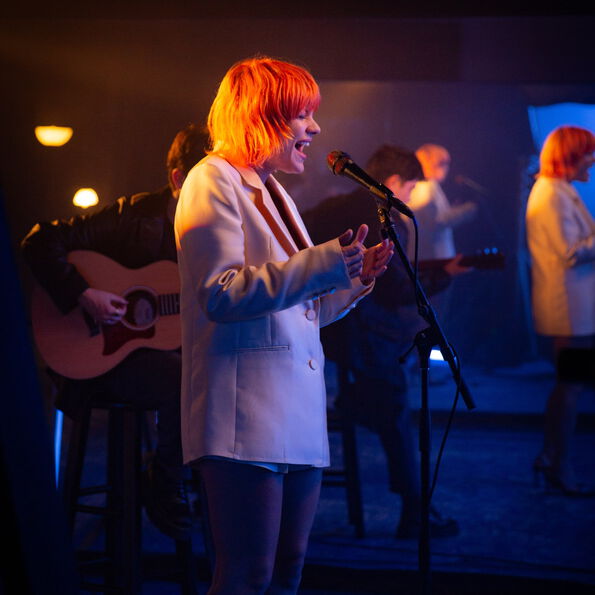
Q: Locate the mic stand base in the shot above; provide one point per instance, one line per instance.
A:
(424, 341)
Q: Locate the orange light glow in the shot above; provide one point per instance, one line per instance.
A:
(85, 198)
(53, 136)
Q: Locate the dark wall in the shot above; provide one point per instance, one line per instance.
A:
(127, 85)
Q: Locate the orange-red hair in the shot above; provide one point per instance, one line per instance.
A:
(430, 156)
(562, 150)
(249, 118)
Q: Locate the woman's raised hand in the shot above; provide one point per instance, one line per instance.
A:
(376, 260)
(354, 250)
(362, 262)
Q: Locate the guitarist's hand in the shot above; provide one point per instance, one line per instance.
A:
(104, 307)
(453, 267)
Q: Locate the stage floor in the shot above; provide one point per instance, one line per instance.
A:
(515, 537)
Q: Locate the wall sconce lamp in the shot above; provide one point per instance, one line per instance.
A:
(53, 136)
(85, 198)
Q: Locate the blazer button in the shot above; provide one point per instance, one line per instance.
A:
(311, 314)
(313, 364)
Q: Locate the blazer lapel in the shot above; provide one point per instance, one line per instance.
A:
(288, 212)
(264, 202)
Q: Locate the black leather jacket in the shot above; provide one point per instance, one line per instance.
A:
(134, 231)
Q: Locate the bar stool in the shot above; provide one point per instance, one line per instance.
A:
(346, 474)
(120, 560)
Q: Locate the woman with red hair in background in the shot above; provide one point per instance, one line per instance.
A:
(436, 216)
(254, 293)
(561, 240)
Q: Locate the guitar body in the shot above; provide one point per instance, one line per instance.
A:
(76, 347)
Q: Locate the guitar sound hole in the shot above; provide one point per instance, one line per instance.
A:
(141, 311)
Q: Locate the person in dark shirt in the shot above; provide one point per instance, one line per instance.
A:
(369, 341)
(134, 231)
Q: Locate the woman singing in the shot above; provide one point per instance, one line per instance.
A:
(254, 293)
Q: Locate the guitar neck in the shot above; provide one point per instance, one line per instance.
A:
(493, 260)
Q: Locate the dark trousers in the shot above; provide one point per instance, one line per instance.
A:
(383, 407)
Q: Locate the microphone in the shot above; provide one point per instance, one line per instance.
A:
(341, 164)
(465, 181)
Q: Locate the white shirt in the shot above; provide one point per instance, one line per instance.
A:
(436, 218)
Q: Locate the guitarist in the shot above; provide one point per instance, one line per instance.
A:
(369, 341)
(134, 231)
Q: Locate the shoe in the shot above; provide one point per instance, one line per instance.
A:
(540, 464)
(558, 485)
(543, 472)
(409, 528)
(166, 503)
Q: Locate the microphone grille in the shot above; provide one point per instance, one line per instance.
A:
(336, 161)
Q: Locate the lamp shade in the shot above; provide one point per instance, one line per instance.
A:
(53, 136)
(85, 197)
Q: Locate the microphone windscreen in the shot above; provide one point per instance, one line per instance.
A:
(336, 161)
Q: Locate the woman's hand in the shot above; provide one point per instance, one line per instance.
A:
(104, 307)
(376, 260)
(354, 250)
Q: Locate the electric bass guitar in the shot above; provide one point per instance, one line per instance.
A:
(75, 346)
(487, 258)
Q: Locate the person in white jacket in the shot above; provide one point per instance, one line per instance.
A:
(254, 293)
(435, 215)
(561, 239)
(437, 218)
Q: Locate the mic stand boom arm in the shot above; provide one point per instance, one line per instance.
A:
(424, 341)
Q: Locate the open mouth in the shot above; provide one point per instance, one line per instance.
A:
(301, 145)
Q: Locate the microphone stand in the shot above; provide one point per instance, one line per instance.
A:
(424, 341)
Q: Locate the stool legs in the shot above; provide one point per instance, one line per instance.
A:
(122, 511)
(123, 523)
(188, 566)
(75, 460)
(347, 475)
(352, 478)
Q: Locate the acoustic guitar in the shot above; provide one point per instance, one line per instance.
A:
(76, 346)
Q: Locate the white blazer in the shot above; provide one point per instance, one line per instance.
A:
(251, 307)
(561, 241)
